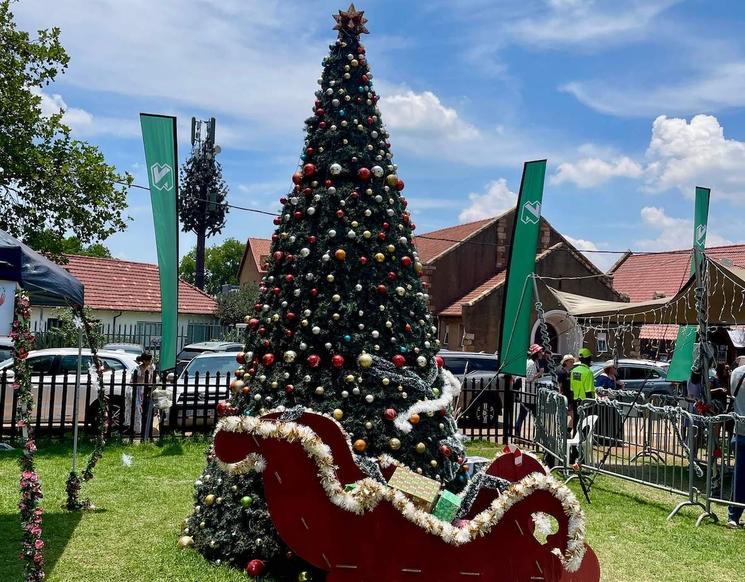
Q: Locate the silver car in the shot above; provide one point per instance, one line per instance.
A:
(53, 373)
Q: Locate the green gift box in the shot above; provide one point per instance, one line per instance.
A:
(349, 487)
(447, 506)
(421, 490)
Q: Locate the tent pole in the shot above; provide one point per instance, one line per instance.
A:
(75, 404)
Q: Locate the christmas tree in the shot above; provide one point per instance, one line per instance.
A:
(342, 325)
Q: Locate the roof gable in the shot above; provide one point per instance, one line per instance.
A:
(118, 285)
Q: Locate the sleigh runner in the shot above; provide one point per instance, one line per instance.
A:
(374, 532)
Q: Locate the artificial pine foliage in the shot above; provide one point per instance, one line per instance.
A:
(341, 325)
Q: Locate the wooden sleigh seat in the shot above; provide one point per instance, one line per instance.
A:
(391, 540)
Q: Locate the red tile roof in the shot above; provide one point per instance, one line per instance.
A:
(658, 331)
(447, 238)
(128, 286)
(260, 247)
(646, 276)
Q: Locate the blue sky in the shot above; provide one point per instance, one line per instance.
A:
(633, 102)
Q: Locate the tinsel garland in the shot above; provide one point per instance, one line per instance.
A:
(95, 374)
(29, 505)
(369, 493)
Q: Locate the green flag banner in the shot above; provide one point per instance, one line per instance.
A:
(517, 305)
(159, 136)
(680, 367)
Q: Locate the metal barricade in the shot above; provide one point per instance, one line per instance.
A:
(551, 417)
(725, 457)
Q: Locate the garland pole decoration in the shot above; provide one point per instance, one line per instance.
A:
(31, 512)
(95, 375)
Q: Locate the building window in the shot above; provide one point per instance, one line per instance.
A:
(53, 322)
(601, 342)
(446, 337)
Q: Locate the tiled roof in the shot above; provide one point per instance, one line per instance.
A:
(260, 247)
(647, 276)
(429, 249)
(455, 308)
(128, 286)
(658, 331)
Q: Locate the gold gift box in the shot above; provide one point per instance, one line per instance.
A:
(422, 491)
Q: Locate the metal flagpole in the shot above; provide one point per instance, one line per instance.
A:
(75, 401)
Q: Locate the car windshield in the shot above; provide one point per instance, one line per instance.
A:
(185, 355)
(5, 353)
(212, 366)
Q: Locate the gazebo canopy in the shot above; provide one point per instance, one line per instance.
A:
(725, 298)
(46, 282)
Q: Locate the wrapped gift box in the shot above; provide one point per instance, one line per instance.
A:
(349, 487)
(447, 506)
(421, 490)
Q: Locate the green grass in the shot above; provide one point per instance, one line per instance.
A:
(132, 535)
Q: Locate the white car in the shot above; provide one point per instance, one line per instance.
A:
(53, 373)
(203, 383)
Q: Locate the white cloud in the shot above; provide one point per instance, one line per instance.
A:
(496, 199)
(591, 172)
(681, 155)
(686, 154)
(672, 233)
(424, 114)
(602, 261)
(712, 86)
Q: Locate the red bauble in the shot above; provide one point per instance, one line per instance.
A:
(262, 331)
(363, 174)
(290, 278)
(278, 255)
(289, 389)
(297, 177)
(391, 276)
(398, 361)
(253, 323)
(313, 360)
(240, 357)
(314, 292)
(322, 125)
(255, 568)
(221, 407)
(406, 261)
(283, 200)
(267, 359)
(340, 213)
(439, 360)
(277, 220)
(320, 112)
(328, 183)
(370, 121)
(407, 327)
(337, 360)
(382, 289)
(386, 226)
(289, 333)
(297, 214)
(275, 237)
(354, 195)
(312, 239)
(276, 290)
(290, 258)
(309, 169)
(445, 450)
(307, 191)
(381, 236)
(390, 414)
(310, 151)
(290, 316)
(363, 260)
(400, 185)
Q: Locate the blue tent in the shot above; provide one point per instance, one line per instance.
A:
(46, 282)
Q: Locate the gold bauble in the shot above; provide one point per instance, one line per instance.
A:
(421, 448)
(379, 257)
(209, 500)
(365, 360)
(185, 541)
(395, 444)
(338, 414)
(414, 419)
(391, 180)
(360, 445)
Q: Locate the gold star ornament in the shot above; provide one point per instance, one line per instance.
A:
(351, 20)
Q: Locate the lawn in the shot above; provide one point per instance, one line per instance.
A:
(132, 535)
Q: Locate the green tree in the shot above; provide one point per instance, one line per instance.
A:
(51, 185)
(65, 334)
(221, 265)
(202, 206)
(233, 306)
(341, 325)
(72, 246)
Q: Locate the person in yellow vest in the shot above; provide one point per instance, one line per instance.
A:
(582, 382)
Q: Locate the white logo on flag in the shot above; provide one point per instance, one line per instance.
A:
(700, 233)
(531, 212)
(162, 176)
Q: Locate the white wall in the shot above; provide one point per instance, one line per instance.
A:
(40, 315)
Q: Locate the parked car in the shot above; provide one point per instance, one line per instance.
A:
(480, 402)
(134, 349)
(53, 373)
(6, 348)
(201, 385)
(192, 350)
(649, 375)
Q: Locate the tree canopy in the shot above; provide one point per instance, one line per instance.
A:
(233, 306)
(221, 265)
(51, 185)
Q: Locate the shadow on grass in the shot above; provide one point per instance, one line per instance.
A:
(58, 529)
(171, 448)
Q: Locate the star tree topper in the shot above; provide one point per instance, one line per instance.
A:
(351, 20)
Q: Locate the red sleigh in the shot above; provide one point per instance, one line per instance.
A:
(378, 535)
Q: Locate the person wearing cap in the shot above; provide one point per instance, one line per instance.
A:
(564, 379)
(607, 379)
(532, 372)
(143, 374)
(582, 382)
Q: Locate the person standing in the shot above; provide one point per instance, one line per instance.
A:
(582, 382)
(564, 379)
(532, 372)
(608, 378)
(142, 375)
(734, 512)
